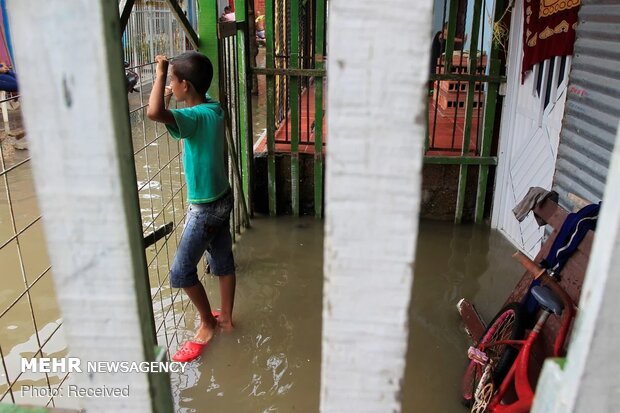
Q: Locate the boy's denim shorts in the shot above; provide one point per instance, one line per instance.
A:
(207, 229)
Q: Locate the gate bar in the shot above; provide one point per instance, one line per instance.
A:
(489, 119)
(319, 40)
(289, 71)
(451, 35)
(207, 30)
(243, 99)
(187, 27)
(295, 112)
(468, 77)
(126, 14)
(271, 97)
(473, 51)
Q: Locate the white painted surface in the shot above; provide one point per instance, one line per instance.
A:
(75, 110)
(529, 139)
(378, 68)
(5, 112)
(591, 382)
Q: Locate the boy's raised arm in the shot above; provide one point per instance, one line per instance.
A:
(157, 109)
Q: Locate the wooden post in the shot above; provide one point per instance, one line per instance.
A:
(589, 380)
(378, 69)
(76, 114)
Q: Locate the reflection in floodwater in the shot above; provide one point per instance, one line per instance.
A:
(451, 262)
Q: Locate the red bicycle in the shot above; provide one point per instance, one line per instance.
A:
(500, 361)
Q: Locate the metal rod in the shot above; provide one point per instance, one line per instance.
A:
(452, 15)
(489, 120)
(471, 93)
(126, 14)
(271, 95)
(160, 233)
(207, 29)
(319, 42)
(293, 72)
(185, 24)
(17, 165)
(36, 280)
(21, 231)
(460, 160)
(240, 194)
(468, 77)
(20, 257)
(243, 98)
(295, 112)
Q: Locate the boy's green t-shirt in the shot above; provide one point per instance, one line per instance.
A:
(204, 147)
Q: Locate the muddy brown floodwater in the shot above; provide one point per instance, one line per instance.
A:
(271, 361)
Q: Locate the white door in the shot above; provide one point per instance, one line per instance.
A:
(529, 137)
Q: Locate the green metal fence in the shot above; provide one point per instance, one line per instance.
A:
(29, 319)
(295, 77)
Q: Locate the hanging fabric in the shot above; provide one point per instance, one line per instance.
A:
(548, 30)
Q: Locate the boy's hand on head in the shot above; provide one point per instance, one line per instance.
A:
(162, 65)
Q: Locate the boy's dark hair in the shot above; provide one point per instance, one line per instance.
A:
(194, 67)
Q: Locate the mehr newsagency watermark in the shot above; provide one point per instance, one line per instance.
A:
(74, 365)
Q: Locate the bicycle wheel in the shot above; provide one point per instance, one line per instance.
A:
(507, 325)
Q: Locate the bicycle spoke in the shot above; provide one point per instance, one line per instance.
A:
(483, 399)
(502, 333)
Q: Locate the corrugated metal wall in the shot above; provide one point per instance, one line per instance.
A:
(593, 104)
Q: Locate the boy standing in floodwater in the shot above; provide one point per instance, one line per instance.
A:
(201, 127)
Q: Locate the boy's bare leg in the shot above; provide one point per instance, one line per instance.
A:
(227, 296)
(208, 323)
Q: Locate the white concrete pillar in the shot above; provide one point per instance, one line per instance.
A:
(377, 70)
(75, 111)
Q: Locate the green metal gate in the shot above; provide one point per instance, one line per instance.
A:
(295, 81)
(467, 68)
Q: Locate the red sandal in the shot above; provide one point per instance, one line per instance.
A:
(191, 350)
